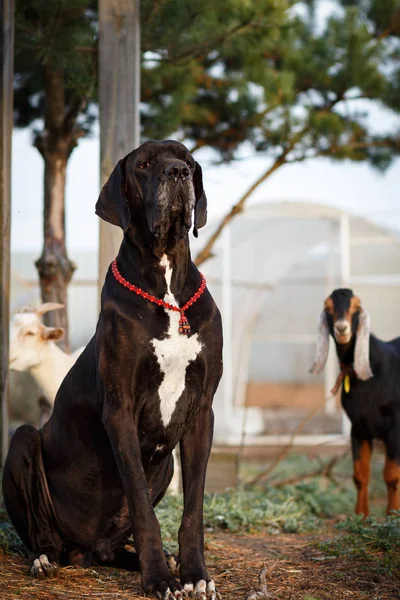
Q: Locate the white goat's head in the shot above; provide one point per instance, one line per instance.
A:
(29, 337)
(345, 319)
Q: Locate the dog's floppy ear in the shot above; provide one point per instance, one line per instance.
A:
(200, 209)
(112, 205)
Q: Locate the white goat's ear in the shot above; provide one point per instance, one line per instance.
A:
(361, 365)
(47, 307)
(322, 351)
(52, 333)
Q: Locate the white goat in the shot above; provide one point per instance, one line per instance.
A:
(32, 349)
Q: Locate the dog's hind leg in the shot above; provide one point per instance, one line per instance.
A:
(28, 503)
(127, 558)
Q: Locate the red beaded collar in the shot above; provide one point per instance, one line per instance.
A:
(184, 327)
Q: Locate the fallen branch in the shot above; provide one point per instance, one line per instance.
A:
(325, 470)
(261, 593)
(285, 450)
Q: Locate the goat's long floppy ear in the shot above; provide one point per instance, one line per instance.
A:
(361, 351)
(200, 209)
(322, 351)
(112, 205)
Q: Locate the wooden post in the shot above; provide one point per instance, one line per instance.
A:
(119, 94)
(6, 118)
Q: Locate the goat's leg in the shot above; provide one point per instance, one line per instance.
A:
(27, 501)
(362, 450)
(391, 475)
(391, 471)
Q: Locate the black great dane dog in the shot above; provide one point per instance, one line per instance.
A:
(91, 477)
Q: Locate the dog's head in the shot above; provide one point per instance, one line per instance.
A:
(161, 180)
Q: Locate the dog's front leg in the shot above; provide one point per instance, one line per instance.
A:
(195, 449)
(157, 579)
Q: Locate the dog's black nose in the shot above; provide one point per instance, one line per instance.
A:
(177, 170)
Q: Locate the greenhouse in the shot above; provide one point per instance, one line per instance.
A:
(272, 269)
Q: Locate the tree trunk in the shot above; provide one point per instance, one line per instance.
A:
(54, 267)
(119, 91)
(55, 144)
(6, 115)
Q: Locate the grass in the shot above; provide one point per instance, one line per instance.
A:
(376, 544)
(290, 509)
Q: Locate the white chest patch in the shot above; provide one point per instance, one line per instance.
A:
(174, 354)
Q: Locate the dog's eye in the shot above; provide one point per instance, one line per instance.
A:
(144, 165)
(189, 164)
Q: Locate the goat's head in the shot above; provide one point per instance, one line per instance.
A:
(345, 319)
(29, 337)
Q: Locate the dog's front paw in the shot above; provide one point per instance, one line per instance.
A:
(202, 589)
(42, 567)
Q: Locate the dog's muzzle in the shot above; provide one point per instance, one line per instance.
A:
(174, 205)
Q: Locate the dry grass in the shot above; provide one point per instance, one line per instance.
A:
(296, 569)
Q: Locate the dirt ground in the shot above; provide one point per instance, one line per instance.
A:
(297, 570)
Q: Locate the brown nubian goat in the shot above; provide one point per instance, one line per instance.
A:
(370, 373)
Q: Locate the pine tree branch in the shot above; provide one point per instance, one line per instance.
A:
(206, 253)
(394, 27)
(199, 49)
(75, 107)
